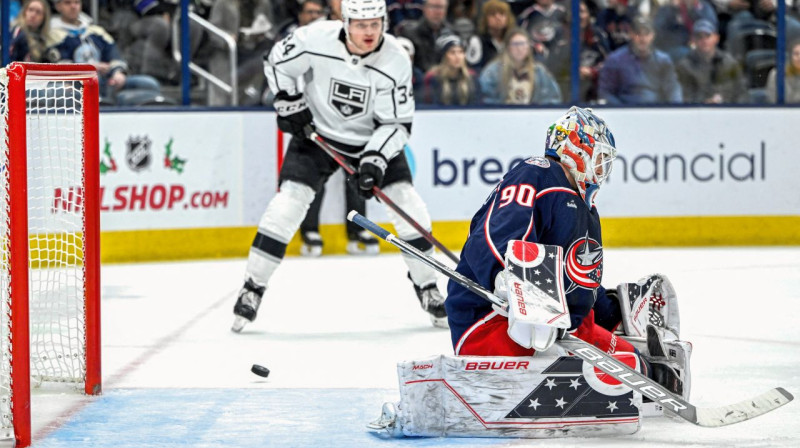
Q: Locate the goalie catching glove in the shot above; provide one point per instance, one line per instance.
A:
(293, 113)
(651, 322)
(649, 301)
(533, 285)
(371, 166)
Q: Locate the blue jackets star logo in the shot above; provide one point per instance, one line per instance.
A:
(584, 263)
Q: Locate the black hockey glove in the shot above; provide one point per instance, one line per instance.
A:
(371, 166)
(293, 114)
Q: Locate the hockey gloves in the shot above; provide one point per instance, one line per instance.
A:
(371, 167)
(293, 113)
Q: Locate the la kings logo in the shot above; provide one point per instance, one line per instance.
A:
(349, 100)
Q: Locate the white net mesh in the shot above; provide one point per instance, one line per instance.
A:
(55, 225)
(5, 275)
(55, 235)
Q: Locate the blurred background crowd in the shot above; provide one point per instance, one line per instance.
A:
(464, 53)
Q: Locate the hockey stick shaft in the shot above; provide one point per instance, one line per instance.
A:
(707, 417)
(350, 170)
(384, 234)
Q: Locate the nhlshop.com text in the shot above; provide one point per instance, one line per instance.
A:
(141, 197)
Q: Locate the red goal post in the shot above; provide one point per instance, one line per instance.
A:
(50, 317)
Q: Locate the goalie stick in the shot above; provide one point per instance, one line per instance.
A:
(706, 417)
(378, 193)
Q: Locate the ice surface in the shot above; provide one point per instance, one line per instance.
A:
(331, 331)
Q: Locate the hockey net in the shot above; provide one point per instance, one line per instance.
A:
(49, 277)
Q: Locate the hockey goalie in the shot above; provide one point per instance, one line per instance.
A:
(536, 243)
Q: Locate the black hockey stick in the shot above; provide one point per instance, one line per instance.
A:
(707, 417)
(380, 194)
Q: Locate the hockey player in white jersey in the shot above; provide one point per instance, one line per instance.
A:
(351, 82)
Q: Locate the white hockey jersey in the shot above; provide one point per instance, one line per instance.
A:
(359, 101)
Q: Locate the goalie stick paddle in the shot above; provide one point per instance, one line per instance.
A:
(379, 194)
(706, 417)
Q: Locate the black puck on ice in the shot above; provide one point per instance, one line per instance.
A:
(260, 370)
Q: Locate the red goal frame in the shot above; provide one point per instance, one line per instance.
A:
(16, 136)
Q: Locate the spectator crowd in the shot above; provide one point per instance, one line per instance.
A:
(464, 52)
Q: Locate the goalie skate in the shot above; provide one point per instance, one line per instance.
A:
(362, 243)
(432, 301)
(387, 422)
(312, 244)
(247, 305)
(670, 361)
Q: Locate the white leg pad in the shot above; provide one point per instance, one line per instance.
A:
(527, 397)
(280, 221)
(421, 274)
(286, 211)
(260, 267)
(406, 197)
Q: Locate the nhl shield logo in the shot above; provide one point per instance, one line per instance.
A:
(349, 100)
(138, 154)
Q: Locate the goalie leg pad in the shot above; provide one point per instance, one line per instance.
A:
(649, 301)
(524, 397)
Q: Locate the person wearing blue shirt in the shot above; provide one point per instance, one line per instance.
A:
(638, 73)
(674, 23)
(85, 43)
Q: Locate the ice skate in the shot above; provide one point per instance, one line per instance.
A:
(247, 305)
(432, 301)
(362, 243)
(387, 421)
(312, 244)
(670, 361)
(667, 362)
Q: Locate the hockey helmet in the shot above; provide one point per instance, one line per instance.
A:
(584, 144)
(363, 9)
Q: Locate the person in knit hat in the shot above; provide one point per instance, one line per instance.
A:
(451, 81)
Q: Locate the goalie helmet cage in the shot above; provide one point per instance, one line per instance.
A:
(50, 316)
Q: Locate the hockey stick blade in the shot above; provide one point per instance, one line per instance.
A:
(744, 410)
(705, 417)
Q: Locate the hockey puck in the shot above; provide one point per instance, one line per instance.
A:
(260, 370)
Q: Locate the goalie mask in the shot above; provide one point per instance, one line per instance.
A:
(584, 144)
(363, 9)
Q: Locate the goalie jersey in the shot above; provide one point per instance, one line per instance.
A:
(358, 102)
(534, 202)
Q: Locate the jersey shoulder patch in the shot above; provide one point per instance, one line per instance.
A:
(538, 161)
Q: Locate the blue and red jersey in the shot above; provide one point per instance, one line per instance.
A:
(534, 202)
